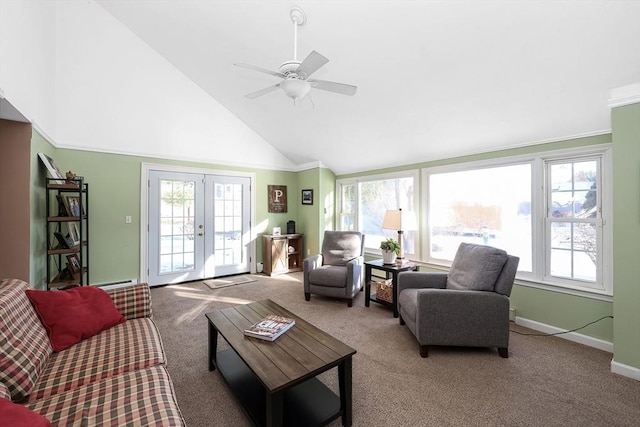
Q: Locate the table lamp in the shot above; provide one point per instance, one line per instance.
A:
(393, 221)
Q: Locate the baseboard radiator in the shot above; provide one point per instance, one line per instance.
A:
(118, 284)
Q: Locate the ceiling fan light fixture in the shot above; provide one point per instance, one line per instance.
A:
(294, 73)
(295, 88)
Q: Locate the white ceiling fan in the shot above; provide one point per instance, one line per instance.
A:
(296, 83)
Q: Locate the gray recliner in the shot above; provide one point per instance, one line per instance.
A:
(469, 306)
(339, 270)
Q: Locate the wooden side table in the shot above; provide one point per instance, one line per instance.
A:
(281, 254)
(391, 271)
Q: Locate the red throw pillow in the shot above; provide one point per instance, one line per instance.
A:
(15, 415)
(75, 314)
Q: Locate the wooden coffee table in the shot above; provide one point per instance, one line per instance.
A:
(276, 381)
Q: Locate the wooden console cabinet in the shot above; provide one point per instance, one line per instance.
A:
(277, 258)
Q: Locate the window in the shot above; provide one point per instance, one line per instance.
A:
(573, 220)
(547, 209)
(363, 202)
(476, 206)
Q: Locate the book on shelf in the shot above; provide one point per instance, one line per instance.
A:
(270, 328)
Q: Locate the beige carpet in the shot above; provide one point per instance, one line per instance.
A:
(223, 282)
(546, 381)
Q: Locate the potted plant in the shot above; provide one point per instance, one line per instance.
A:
(390, 250)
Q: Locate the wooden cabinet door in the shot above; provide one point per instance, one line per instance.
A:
(279, 258)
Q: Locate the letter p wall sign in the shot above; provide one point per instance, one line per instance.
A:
(277, 198)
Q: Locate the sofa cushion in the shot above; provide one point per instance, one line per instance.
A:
(408, 300)
(73, 315)
(16, 415)
(340, 247)
(476, 267)
(143, 397)
(333, 276)
(24, 345)
(128, 346)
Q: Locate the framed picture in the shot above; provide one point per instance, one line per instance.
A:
(277, 198)
(307, 197)
(74, 263)
(52, 168)
(74, 232)
(63, 243)
(63, 207)
(73, 205)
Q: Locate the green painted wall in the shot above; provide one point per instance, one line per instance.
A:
(266, 221)
(316, 218)
(308, 220)
(563, 311)
(327, 211)
(626, 230)
(571, 143)
(115, 246)
(114, 192)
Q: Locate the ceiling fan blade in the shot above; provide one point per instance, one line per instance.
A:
(254, 95)
(311, 64)
(262, 70)
(340, 88)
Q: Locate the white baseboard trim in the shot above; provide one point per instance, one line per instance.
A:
(571, 336)
(625, 370)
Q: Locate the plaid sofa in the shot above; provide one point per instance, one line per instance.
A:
(115, 378)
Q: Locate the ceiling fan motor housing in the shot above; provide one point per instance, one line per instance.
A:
(288, 67)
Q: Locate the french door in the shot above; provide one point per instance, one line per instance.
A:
(198, 225)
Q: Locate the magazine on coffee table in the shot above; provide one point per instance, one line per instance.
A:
(270, 328)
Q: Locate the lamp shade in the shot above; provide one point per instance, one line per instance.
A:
(392, 220)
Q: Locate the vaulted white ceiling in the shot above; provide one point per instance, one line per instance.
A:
(435, 79)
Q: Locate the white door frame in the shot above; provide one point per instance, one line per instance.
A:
(145, 168)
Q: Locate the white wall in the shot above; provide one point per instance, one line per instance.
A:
(81, 76)
(27, 60)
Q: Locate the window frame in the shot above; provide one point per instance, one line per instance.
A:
(355, 181)
(539, 161)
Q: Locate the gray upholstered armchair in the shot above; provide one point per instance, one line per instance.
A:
(339, 270)
(469, 306)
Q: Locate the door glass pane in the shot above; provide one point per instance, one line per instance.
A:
(177, 216)
(228, 224)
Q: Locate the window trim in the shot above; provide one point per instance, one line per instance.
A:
(598, 221)
(537, 278)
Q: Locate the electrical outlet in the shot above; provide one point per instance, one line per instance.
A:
(308, 252)
(512, 314)
(127, 219)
